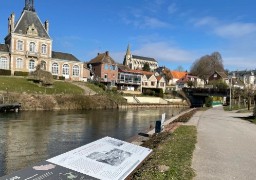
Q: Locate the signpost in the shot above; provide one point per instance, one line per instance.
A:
(106, 158)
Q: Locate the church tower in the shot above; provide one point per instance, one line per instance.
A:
(128, 58)
(29, 5)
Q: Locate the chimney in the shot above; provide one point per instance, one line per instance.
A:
(98, 54)
(46, 26)
(11, 21)
(107, 53)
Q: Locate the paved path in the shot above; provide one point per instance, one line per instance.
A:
(226, 147)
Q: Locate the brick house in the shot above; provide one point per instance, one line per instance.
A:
(104, 68)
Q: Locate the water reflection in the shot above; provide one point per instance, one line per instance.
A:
(30, 137)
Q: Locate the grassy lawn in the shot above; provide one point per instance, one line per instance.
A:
(172, 158)
(21, 84)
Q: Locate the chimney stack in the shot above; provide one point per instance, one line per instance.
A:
(11, 22)
(107, 53)
(46, 26)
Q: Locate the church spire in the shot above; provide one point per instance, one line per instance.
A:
(29, 5)
(128, 51)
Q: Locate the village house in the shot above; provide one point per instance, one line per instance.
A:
(189, 81)
(128, 80)
(222, 76)
(29, 44)
(247, 77)
(135, 62)
(104, 68)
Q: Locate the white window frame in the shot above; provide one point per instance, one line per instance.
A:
(76, 70)
(4, 64)
(31, 65)
(65, 69)
(43, 65)
(32, 47)
(19, 63)
(20, 45)
(44, 48)
(55, 68)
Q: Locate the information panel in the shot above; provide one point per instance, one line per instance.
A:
(106, 158)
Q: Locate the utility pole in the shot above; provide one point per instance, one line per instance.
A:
(230, 93)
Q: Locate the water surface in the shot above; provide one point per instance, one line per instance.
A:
(30, 137)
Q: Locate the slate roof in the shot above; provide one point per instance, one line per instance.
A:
(242, 73)
(143, 58)
(102, 58)
(143, 72)
(27, 19)
(4, 48)
(64, 56)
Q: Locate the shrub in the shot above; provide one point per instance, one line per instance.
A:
(161, 93)
(20, 73)
(54, 77)
(208, 101)
(5, 72)
(62, 78)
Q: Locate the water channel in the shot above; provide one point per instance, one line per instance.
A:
(30, 137)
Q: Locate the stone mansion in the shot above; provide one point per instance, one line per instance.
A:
(29, 44)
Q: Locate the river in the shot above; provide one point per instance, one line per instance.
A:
(30, 137)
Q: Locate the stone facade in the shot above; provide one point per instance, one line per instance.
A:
(28, 44)
(135, 62)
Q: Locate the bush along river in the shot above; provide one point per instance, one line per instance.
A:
(30, 137)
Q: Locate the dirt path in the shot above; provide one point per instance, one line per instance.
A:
(87, 91)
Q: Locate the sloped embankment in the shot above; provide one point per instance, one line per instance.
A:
(64, 102)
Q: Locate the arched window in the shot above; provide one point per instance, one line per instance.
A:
(44, 49)
(55, 68)
(4, 63)
(31, 65)
(32, 47)
(20, 45)
(19, 63)
(65, 69)
(43, 65)
(76, 70)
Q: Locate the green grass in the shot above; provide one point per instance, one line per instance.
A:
(175, 152)
(21, 85)
(95, 88)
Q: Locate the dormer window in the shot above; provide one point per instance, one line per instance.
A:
(44, 49)
(32, 47)
(20, 45)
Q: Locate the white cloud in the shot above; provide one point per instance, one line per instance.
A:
(172, 8)
(164, 52)
(224, 29)
(235, 30)
(153, 23)
(205, 21)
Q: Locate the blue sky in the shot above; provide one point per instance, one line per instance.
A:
(175, 32)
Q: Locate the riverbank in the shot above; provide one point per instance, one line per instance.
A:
(48, 102)
(172, 150)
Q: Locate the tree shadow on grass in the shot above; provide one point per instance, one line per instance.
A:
(251, 119)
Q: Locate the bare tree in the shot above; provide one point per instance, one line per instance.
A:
(207, 65)
(180, 68)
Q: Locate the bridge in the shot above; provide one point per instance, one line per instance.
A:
(197, 96)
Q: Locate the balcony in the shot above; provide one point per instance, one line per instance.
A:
(32, 54)
(122, 81)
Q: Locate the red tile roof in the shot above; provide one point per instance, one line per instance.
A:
(178, 74)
